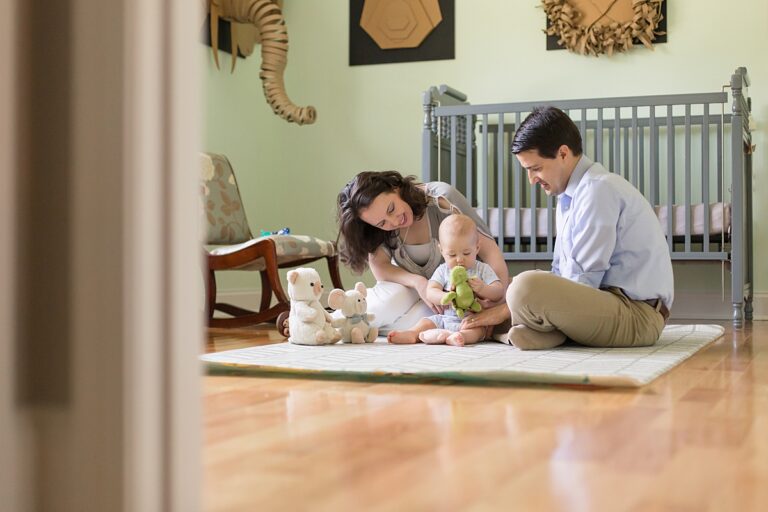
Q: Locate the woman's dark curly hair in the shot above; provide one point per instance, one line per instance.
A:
(357, 239)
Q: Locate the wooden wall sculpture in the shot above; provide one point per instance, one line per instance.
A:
(267, 17)
(596, 27)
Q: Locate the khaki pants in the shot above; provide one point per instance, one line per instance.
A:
(544, 303)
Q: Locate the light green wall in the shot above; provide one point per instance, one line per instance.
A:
(369, 117)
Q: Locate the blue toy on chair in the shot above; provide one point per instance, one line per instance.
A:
(284, 231)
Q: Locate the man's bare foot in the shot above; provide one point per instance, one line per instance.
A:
(456, 339)
(402, 337)
(525, 338)
(434, 336)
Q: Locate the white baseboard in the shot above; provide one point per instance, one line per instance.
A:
(251, 299)
(248, 299)
(711, 306)
(688, 305)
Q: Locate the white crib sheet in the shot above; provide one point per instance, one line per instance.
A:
(719, 220)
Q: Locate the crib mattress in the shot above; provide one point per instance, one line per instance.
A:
(719, 220)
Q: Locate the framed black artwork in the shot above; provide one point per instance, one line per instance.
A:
(408, 22)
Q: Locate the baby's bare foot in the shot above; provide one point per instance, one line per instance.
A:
(434, 336)
(402, 337)
(456, 339)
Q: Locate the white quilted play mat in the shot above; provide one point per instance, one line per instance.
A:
(484, 362)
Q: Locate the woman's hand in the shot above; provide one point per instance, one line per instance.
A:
(486, 318)
(421, 289)
(487, 303)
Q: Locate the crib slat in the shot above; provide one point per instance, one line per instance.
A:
(719, 161)
(609, 161)
(617, 141)
(625, 171)
(687, 198)
(551, 217)
(534, 204)
(641, 166)
(454, 143)
(599, 137)
(468, 160)
(670, 178)
(518, 192)
(654, 158)
(484, 167)
(534, 209)
(635, 180)
(500, 178)
(705, 173)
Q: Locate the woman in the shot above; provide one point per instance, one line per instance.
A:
(390, 223)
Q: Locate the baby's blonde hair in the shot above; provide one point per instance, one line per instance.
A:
(458, 224)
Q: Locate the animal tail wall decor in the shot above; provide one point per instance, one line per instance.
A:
(267, 16)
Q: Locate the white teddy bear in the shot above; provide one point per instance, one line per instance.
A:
(308, 321)
(355, 327)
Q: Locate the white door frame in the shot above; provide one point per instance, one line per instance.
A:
(125, 433)
(14, 478)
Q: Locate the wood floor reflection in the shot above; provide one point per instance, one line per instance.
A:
(695, 439)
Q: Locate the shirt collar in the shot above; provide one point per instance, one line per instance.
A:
(582, 165)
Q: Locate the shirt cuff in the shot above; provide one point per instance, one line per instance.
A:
(591, 279)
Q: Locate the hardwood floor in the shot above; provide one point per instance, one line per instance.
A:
(695, 439)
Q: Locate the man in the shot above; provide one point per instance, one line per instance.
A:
(611, 283)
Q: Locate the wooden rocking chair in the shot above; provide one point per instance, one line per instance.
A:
(231, 246)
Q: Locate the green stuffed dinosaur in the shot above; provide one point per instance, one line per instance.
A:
(462, 298)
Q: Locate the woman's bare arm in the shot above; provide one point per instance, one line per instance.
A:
(493, 292)
(491, 254)
(383, 270)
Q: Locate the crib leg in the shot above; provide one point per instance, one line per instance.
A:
(748, 308)
(738, 322)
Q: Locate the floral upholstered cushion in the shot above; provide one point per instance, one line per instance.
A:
(288, 247)
(225, 218)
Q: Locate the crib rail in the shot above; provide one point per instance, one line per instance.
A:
(689, 154)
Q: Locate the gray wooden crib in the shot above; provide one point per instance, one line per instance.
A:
(689, 154)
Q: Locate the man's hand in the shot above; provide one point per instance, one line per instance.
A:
(487, 317)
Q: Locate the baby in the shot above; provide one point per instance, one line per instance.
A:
(459, 244)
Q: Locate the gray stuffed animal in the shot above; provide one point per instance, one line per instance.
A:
(355, 327)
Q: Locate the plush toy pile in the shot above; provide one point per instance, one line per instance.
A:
(355, 327)
(310, 324)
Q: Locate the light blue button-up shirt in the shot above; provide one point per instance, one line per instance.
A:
(608, 235)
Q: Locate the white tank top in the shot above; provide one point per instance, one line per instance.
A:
(419, 253)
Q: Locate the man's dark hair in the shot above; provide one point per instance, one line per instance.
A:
(546, 129)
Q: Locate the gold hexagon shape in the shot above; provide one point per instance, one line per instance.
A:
(400, 23)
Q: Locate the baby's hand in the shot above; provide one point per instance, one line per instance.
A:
(476, 284)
